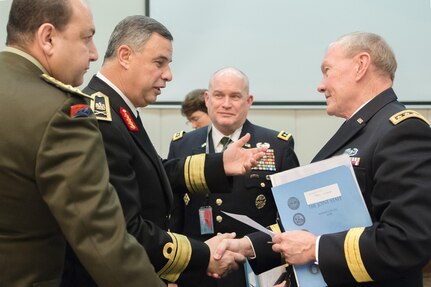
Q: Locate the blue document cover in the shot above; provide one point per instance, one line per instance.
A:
(324, 202)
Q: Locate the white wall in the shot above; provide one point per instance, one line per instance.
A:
(280, 44)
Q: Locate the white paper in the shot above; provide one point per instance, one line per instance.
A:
(250, 222)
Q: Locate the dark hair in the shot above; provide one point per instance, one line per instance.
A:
(26, 16)
(135, 31)
(194, 101)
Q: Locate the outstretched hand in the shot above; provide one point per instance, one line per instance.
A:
(238, 160)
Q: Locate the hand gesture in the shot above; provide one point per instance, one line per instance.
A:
(238, 160)
(226, 263)
(297, 247)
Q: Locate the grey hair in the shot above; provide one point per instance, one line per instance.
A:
(382, 56)
(134, 31)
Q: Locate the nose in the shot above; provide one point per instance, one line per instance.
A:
(195, 125)
(226, 101)
(93, 52)
(167, 74)
(321, 87)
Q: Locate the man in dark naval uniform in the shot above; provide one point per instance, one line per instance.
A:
(390, 151)
(199, 215)
(135, 69)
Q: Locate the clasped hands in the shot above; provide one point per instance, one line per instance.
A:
(297, 247)
(220, 266)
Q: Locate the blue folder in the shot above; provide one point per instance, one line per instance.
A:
(325, 202)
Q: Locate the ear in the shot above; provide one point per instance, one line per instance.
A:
(207, 96)
(124, 55)
(250, 100)
(44, 38)
(363, 63)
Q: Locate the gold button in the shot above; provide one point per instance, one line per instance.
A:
(260, 201)
(219, 218)
(219, 201)
(262, 184)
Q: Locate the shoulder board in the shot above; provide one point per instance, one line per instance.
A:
(284, 136)
(101, 107)
(178, 135)
(404, 115)
(62, 86)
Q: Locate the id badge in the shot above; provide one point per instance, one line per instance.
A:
(206, 220)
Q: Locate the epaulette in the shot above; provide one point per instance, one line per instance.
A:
(101, 107)
(404, 115)
(62, 86)
(178, 135)
(284, 136)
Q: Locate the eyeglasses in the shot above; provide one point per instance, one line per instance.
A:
(194, 120)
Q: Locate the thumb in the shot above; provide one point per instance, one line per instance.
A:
(230, 235)
(242, 141)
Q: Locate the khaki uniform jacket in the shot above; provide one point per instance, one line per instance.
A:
(54, 186)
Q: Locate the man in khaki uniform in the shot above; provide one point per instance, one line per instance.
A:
(53, 171)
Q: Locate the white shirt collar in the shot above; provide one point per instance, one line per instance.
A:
(217, 136)
(359, 108)
(126, 99)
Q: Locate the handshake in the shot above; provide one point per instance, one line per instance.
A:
(226, 254)
(296, 247)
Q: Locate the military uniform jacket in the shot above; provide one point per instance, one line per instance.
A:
(54, 186)
(390, 148)
(251, 193)
(141, 181)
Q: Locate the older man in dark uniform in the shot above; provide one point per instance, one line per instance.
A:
(199, 215)
(391, 155)
(53, 171)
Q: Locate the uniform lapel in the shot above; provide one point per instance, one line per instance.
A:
(347, 130)
(352, 126)
(248, 128)
(140, 136)
(200, 141)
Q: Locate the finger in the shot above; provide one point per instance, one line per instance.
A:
(238, 257)
(230, 235)
(277, 238)
(258, 155)
(213, 275)
(277, 248)
(221, 248)
(242, 141)
(234, 266)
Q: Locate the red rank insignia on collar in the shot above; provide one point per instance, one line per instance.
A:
(128, 120)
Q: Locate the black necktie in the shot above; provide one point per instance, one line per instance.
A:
(225, 141)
